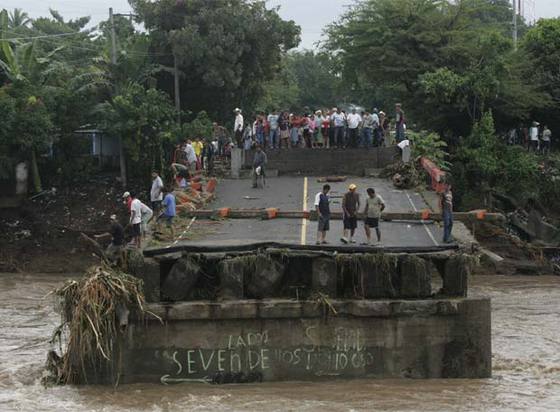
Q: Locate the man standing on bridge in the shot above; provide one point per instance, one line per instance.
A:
(447, 212)
(373, 209)
(350, 207)
(323, 214)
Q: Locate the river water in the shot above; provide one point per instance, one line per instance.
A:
(526, 345)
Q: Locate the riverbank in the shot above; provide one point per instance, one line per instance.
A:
(525, 344)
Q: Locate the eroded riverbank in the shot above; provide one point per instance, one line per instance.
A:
(526, 342)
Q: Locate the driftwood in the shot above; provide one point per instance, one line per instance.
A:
(96, 248)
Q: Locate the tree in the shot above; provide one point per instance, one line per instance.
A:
(225, 49)
(144, 119)
(542, 47)
(17, 19)
(449, 62)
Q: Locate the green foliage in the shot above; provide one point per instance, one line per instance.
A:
(226, 49)
(430, 145)
(454, 58)
(143, 119)
(200, 126)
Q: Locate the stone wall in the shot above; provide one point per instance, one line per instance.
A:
(269, 340)
(326, 161)
(275, 273)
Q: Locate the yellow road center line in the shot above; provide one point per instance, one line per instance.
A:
(304, 220)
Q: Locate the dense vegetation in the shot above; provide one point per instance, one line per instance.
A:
(453, 65)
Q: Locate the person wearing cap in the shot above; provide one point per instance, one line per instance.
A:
(127, 200)
(116, 231)
(374, 207)
(399, 122)
(350, 207)
(238, 127)
(136, 220)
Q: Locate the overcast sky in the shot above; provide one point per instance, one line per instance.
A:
(311, 15)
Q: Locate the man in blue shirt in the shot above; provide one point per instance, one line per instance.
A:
(323, 214)
(169, 210)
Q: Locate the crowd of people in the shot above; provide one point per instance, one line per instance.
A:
(334, 128)
(534, 138)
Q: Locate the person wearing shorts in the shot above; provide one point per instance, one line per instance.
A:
(374, 207)
(350, 207)
(323, 214)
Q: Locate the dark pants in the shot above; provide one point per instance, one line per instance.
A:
(447, 225)
(238, 138)
(353, 137)
(400, 133)
(339, 136)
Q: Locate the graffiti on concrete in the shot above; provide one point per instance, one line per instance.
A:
(253, 353)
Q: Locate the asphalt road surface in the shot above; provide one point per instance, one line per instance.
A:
(298, 193)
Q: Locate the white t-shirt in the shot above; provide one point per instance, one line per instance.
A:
(155, 193)
(136, 212)
(238, 126)
(191, 155)
(338, 119)
(354, 120)
(534, 133)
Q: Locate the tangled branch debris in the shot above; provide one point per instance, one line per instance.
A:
(403, 175)
(94, 313)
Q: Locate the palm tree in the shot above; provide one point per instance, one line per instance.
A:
(18, 18)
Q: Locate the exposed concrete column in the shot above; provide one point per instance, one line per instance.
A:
(22, 176)
(236, 162)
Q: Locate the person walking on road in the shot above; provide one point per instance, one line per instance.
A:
(169, 210)
(323, 214)
(350, 207)
(259, 163)
(372, 212)
(447, 212)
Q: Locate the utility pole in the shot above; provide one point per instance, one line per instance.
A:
(122, 158)
(515, 24)
(177, 90)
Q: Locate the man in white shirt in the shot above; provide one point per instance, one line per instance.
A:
(534, 135)
(136, 220)
(190, 156)
(377, 139)
(338, 120)
(156, 192)
(354, 120)
(238, 127)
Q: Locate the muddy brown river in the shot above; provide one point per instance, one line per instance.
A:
(526, 346)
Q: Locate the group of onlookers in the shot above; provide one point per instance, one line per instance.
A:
(334, 128)
(534, 138)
